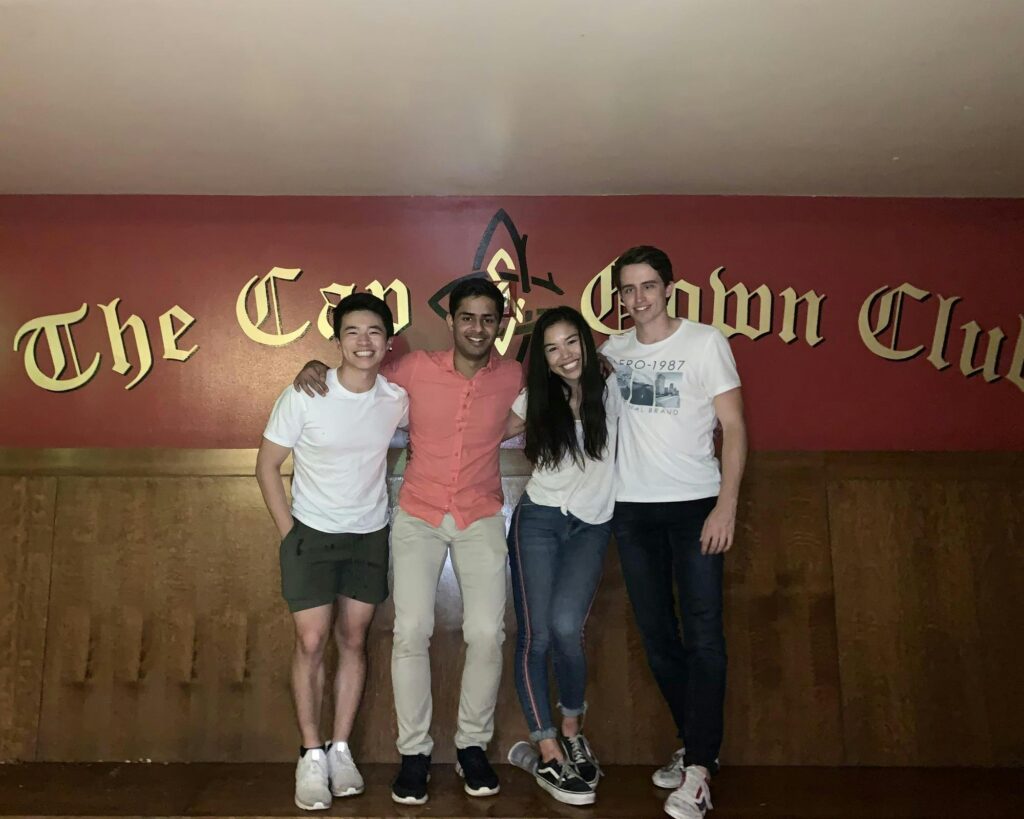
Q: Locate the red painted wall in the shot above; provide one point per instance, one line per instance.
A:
(57, 253)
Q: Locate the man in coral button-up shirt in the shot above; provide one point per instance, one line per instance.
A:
(451, 503)
(454, 430)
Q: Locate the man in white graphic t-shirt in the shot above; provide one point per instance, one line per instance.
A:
(675, 511)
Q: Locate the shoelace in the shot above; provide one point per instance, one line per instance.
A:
(579, 756)
(580, 751)
(568, 771)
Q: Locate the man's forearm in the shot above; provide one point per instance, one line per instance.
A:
(734, 460)
(272, 486)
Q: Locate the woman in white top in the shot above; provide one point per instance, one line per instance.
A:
(558, 537)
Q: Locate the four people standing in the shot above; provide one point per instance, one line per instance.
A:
(674, 384)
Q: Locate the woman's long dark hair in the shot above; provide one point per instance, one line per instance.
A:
(550, 426)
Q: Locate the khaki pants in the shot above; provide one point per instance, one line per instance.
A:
(479, 557)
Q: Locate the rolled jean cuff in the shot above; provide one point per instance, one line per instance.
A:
(573, 712)
(544, 733)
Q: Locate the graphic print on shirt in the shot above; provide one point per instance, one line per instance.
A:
(656, 385)
(624, 377)
(666, 389)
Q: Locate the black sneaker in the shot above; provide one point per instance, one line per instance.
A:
(410, 786)
(481, 780)
(563, 782)
(579, 752)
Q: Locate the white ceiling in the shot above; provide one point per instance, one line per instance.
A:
(859, 97)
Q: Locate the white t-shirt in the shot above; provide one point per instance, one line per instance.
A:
(588, 492)
(666, 435)
(339, 446)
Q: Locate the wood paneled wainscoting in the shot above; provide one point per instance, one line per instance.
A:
(875, 613)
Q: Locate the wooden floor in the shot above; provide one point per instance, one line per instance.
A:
(253, 790)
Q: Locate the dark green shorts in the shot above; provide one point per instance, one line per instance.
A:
(317, 567)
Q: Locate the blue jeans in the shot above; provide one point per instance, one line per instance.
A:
(556, 563)
(659, 542)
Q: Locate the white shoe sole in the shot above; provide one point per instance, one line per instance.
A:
(479, 791)
(315, 806)
(566, 798)
(679, 813)
(667, 784)
(353, 791)
(409, 800)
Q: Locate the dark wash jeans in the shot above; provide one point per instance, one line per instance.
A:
(659, 543)
(556, 563)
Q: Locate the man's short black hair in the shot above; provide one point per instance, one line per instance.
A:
(471, 288)
(644, 254)
(362, 301)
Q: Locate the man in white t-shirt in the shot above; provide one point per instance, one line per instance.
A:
(675, 511)
(334, 552)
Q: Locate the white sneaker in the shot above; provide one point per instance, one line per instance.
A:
(342, 771)
(311, 789)
(670, 775)
(692, 799)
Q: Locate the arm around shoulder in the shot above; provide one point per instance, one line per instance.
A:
(312, 379)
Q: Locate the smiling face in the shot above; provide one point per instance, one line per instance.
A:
(474, 327)
(643, 293)
(362, 340)
(563, 351)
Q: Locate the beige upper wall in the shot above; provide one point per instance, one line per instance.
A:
(866, 98)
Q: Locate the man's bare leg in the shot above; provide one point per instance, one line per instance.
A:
(312, 628)
(350, 629)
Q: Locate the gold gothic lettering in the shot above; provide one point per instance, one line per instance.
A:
(170, 336)
(323, 321)
(607, 300)
(693, 296)
(518, 305)
(116, 333)
(599, 300)
(402, 311)
(812, 325)
(264, 293)
(51, 326)
(937, 355)
(1016, 374)
(996, 337)
(890, 311)
(403, 301)
(743, 296)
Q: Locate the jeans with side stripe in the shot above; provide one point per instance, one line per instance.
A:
(556, 561)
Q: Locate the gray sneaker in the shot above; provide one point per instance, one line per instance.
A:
(524, 755)
(670, 775)
(344, 775)
(311, 789)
